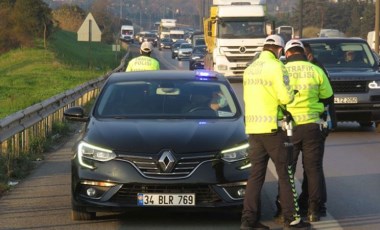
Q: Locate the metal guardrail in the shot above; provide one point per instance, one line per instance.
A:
(18, 130)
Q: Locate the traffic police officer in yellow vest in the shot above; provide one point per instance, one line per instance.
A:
(314, 93)
(143, 62)
(266, 87)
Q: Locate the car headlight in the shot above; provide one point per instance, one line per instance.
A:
(235, 154)
(195, 57)
(87, 151)
(374, 85)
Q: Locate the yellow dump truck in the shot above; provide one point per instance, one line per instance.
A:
(234, 33)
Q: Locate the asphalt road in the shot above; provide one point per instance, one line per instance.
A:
(351, 165)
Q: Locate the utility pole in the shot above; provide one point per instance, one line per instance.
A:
(201, 14)
(377, 22)
(301, 19)
(121, 9)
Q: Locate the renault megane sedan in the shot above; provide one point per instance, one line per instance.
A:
(159, 139)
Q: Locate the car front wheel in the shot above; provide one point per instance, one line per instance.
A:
(81, 214)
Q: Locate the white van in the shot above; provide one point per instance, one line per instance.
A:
(127, 33)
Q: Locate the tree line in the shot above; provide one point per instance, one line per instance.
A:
(22, 21)
(353, 17)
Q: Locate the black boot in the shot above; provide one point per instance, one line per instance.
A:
(313, 212)
(323, 210)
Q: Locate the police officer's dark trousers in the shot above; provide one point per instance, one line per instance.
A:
(304, 196)
(263, 147)
(307, 138)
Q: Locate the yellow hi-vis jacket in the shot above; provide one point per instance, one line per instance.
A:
(312, 84)
(143, 63)
(265, 86)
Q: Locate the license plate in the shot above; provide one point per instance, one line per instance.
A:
(153, 199)
(345, 100)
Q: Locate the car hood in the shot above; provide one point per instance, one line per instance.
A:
(347, 74)
(151, 136)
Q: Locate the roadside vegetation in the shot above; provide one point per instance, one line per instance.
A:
(31, 75)
(37, 68)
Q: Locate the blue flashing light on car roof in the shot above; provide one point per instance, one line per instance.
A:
(205, 74)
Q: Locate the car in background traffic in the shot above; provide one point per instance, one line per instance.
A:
(356, 84)
(331, 33)
(184, 51)
(159, 139)
(150, 37)
(140, 36)
(175, 47)
(165, 43)
(197, 57)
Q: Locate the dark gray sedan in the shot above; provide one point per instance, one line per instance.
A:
(160, 139)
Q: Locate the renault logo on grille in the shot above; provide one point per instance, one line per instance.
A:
(242, 49)
(166, 161)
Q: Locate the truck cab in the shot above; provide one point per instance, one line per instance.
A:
(165, 26)
(234, 33)
(177, 34)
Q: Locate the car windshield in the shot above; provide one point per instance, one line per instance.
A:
(186, 46)
(200, 49)
(336, 53)
(176, 45)
(241, 29)
(166, 99)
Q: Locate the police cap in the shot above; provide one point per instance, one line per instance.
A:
(274, 39)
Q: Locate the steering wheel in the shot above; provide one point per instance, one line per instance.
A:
(199, 108)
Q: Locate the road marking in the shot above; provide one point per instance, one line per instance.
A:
(327, 222)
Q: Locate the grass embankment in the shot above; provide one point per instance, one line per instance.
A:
(29, 76)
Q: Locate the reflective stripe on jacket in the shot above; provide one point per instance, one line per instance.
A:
(266, 86)
(312, 85)
(143, 63)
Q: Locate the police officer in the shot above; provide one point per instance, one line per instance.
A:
(304, 196)
(313, 90)
(143, 62)
(266, 87)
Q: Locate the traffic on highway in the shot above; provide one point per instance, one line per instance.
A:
(168, 141)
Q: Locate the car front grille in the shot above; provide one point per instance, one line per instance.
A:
(349, 86)
(127, 195)
(148, 166)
